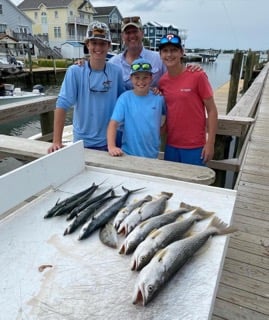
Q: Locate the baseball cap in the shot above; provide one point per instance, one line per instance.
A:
(170, 39)
(98, 30)
(140, 65)
(131, 21)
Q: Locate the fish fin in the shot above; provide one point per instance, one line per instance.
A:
(221, 227)
(201, 214)
(154, 233)
(192, 207)
(131, 191)
(160, 254)
(168, 194)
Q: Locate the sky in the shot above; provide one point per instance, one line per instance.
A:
(217, 24)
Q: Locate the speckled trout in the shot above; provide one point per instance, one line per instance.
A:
(163, 236)
(170, 259)
(124, 212)
(141, 231)
(149, 209)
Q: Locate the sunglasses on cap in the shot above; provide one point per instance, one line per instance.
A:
(170, 38)
(131, 19)
(141, 67)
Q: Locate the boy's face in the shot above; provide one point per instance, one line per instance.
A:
(98, 48)
(171, 55)
(141, 81)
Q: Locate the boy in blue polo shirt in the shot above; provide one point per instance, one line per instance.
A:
(140, 111)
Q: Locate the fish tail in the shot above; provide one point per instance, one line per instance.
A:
(131, 191)
(192, 207)
(201, 214)
(221, 228)
(167, 194)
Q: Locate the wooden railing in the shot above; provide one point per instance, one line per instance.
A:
(237, 123)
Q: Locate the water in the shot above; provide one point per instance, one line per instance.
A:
(218, 73)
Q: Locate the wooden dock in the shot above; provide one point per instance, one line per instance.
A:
(244, 286)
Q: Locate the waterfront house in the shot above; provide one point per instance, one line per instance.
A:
(112, 17)
(153, 31)
(12, 22)
(58, 21)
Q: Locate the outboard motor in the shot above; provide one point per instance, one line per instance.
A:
(39, 87)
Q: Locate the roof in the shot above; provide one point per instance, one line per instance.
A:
(104, 11)
(163, 24)
(73, 43)
(34, 4)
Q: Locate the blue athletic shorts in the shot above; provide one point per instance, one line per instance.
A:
(189, 156)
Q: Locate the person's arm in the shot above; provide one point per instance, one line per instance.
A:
(58, 127)
(111, 139)
(212, 124)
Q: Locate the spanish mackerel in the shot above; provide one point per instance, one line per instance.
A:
(170, 259)
(86, 203)
(163, 236)
(102, 217)
(60, 206)
(149, 209)
(85, 214)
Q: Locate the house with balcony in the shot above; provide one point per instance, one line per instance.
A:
(112, 17)
(12, 22)
(153, 31)
(59, 21)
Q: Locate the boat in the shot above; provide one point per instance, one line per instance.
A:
(12, 94)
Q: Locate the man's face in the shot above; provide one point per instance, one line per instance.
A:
(132, 37)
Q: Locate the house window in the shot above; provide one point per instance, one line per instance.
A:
(43, 18)
(1, 9)
(3, 28)
(56, 14)
(57, 32)
(71, 13)
(36, 15)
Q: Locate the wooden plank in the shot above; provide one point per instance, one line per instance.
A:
(229, 310)
(243, 299)
(22, 148)
(22, 109)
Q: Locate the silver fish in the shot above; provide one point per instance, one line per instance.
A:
(170, 259)
(149, 209)
(108, 235)
(163, 236)
(102, 217)
(141, 231)
(124, 212)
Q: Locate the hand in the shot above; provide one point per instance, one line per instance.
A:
(156, 91)
(80, 62)
(55, 147)
(208, 152)
(115, 151)
(194, 67)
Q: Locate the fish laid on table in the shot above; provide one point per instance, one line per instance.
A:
(170, 259)
(60, 207)
(163, 236)
(86, 203)
(149, 209)
(141, 231)
(124, 212)
(108, 235)
(85, 214)
(102, 217)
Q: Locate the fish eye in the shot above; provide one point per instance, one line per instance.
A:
(150, 288)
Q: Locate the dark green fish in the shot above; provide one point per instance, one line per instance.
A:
(101, 218)
(87, 212)
(62, 204)
(86, 203)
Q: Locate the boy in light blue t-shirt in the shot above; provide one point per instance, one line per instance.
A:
(140, 111)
